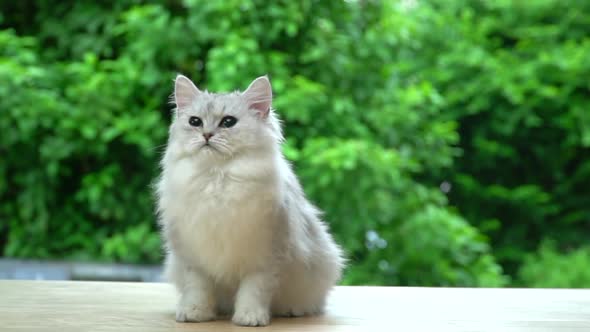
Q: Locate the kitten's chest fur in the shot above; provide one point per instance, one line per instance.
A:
(221, 222)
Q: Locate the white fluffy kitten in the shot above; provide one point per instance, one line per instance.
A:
(240, 234)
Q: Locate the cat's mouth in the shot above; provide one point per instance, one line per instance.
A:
(208, 147)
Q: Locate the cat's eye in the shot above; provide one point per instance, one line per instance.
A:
(228, 121)
(195, 121)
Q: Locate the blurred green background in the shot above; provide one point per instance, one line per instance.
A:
(447, 141)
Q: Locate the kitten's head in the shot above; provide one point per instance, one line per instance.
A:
(221, 126)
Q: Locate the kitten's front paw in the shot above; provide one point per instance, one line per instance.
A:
(194, 313)
(251, 317)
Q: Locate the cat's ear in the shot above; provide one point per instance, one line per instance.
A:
(185, 92)
(259, 96)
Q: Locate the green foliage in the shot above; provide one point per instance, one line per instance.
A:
(382, 102)
(550, 268)
(514, 75)
(70, 141)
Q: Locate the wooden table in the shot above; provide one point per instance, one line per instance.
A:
(109, 306)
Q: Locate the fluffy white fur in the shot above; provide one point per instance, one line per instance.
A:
(241, 237)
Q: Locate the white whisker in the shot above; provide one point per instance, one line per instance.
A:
(160, 146)
(223, 147)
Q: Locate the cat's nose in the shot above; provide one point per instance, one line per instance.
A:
(207, 136)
